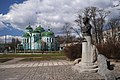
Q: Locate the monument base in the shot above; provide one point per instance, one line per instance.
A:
(85, 67)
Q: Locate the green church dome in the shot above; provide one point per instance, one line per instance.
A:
(39, 29)
(48, 33)
(26, 35)
(29, 28)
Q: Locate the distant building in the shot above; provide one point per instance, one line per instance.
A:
(62, 46)
(39, 39)
(108, 34)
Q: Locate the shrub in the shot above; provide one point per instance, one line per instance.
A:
(110, 49)
(73, 51)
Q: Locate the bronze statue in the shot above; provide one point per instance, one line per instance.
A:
(86, 29)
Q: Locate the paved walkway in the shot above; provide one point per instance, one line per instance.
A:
(47, 70)
(36, 64)
(63, 72)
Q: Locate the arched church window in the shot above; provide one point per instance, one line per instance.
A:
(47, 39)
(25, 40)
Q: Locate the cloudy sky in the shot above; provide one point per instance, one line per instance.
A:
(15, 15)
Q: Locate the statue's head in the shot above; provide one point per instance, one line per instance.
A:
(86, 20)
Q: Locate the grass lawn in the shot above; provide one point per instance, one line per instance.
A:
(35, 57)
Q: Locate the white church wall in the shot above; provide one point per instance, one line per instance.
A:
(47, 39)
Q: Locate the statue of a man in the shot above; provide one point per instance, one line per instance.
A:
(86, 29)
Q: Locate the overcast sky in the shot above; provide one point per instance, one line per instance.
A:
(55, 13)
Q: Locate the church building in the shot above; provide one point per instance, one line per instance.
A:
(39, 39)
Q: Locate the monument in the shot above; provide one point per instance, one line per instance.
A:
(89, 51)
(92, 62)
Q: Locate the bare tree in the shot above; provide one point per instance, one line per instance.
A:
(79, 24)
(97, 17)
(102, 14)
(66, 29)
(76, 31)
(114, 25)
(79, 20)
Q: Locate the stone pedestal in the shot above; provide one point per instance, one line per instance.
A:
(87, 63)
(86, 50)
